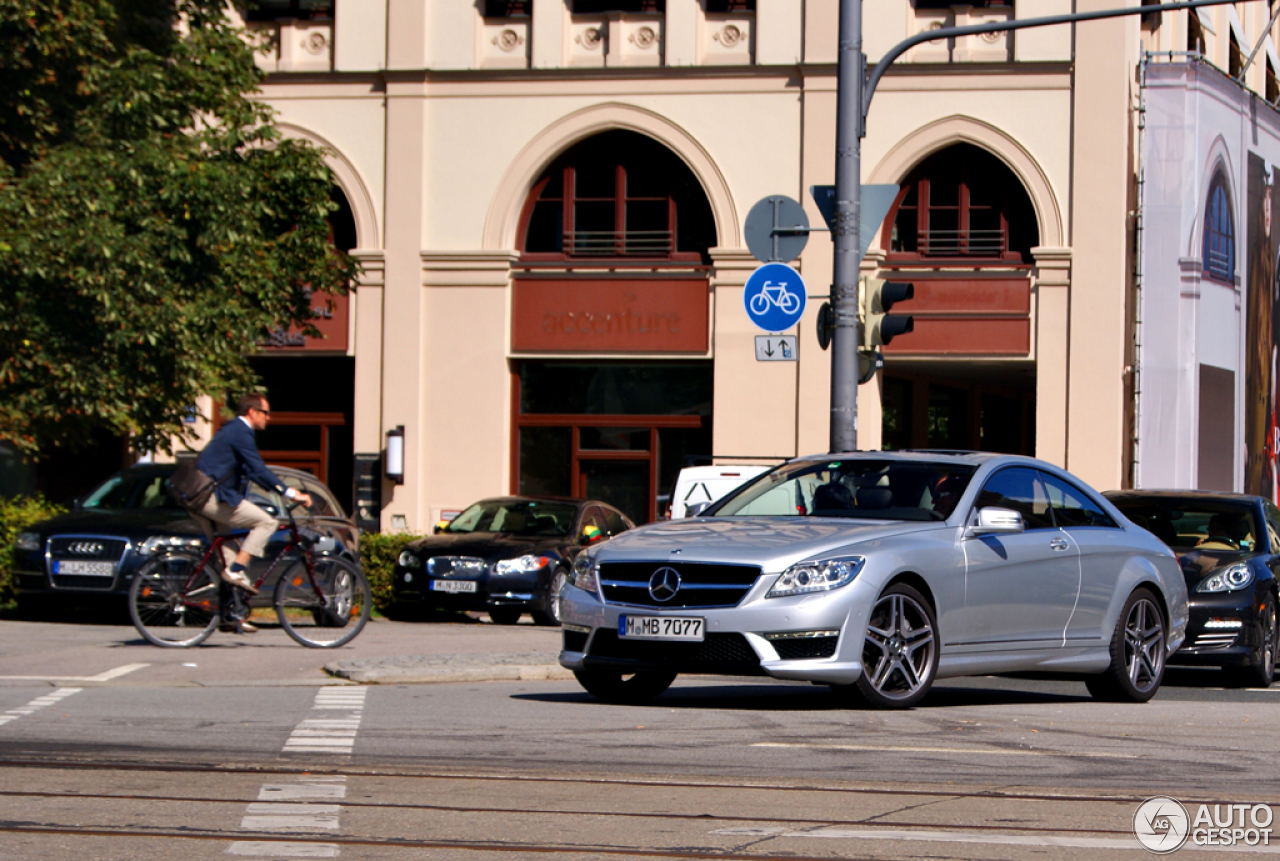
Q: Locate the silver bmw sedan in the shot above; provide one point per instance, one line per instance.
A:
(877, 573)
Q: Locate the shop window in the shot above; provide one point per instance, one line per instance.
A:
(947, 4)
(619, 194)
(600, 7)
(1219, 250)
(507, 8)
(962, 203)
(274, 10)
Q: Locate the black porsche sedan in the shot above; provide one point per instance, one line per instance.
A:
(1229, 547)
(507, 556)
(89, 554)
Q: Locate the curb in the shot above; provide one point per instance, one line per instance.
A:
(419, 669)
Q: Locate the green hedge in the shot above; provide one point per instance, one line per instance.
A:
(15, 516)
(378, 554)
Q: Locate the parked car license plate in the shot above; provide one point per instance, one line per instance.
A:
(80, 566)
(661, 628)
(453, 585)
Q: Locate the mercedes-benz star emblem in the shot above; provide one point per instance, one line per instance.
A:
(86, 548)
(664, 584)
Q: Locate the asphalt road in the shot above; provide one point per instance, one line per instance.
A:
(111, 749)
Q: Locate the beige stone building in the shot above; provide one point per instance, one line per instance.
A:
(549, 196)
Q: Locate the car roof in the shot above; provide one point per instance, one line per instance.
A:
(571, 500)
(972, 458)
(169, 467)
(1201, 495)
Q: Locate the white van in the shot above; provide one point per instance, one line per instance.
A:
(699, 486)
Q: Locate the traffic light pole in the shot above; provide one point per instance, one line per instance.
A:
(853, 96)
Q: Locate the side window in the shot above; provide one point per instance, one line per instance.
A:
(1273, 527)
(322, 499)
(615, 523)
(1020, 489)
(1071, 506)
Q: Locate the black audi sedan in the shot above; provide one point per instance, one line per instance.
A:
(1229, 547)
(89, 554)
(507, 556)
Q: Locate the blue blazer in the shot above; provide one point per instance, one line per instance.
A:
(232, 458)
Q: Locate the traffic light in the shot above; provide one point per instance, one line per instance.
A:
(879, 327)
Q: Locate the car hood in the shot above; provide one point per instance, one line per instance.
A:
(1199, 564)
(768, 541)
(134, 525)
(489, 546)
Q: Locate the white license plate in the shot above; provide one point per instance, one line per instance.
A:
(661, 628)
(79, 566)
(453, 585)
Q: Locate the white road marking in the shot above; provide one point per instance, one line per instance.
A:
(100, 677)
(925, 835)
(284, 850)
(41, 702)
(285, 807)
(330, 734)
(969, 751)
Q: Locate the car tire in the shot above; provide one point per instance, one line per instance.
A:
(899, 651)
(617, 688)
(1137, 653)
(555, 585)
(505, 615)
(1261, 669)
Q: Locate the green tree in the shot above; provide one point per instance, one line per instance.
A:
(153, 224)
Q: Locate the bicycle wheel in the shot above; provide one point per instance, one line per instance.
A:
(173, 601)
(331, 616)
(759, 304)
(790, 303)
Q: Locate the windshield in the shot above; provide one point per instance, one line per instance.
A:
(862, 488)
(131, 491)
(1194, 524)
(521, 517)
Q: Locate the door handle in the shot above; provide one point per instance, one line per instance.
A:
(1059, 544)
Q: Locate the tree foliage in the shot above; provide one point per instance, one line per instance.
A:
(153, 224)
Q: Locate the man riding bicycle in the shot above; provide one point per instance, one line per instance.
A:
(231, 458)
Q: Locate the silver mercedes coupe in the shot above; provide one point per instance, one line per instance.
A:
(877, 573)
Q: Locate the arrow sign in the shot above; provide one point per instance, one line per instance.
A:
(876, 201)
(776, 348)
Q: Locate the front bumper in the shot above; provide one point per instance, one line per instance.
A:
(491, 591)
(758, 637)
(1223, 630)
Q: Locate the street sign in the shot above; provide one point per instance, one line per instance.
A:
(876, 201)
(774, 297)
(777, 228)
(775, 348)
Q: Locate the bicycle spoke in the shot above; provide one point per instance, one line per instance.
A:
(324, 610)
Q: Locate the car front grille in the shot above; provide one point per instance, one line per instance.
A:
(701, 584)
(69, 549)
(728, 654)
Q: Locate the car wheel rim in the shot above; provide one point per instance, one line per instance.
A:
(1144, 645)
(1269, 639)
(898, 652)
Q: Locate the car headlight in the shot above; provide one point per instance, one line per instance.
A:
(157, 543)
(27, 541)
(409, 559)
(522, 564)
(816, 576)
(585, 573)
(1233, 579)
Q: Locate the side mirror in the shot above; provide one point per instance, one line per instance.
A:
(995, 521)
(437, 529)
(696, 509)
(592, 537)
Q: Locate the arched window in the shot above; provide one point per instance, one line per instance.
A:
(962, 203)
(618, 194)
(1219, 252)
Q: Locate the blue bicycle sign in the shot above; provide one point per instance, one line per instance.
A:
(774, 297)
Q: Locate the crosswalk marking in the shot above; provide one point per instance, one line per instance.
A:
(41, 702)
(289, 808)
(329, 733)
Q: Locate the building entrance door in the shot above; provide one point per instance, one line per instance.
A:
(622, 483)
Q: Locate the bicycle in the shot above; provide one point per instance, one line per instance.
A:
(775, 294)
(177, 599)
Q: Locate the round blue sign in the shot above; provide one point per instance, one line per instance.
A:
(774, 297)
